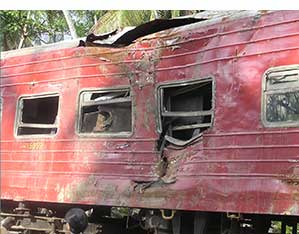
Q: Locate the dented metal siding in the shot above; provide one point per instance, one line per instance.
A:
(237, 166)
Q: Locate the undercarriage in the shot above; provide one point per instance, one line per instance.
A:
(118, 220)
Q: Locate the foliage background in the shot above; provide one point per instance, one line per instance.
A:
(21, 29)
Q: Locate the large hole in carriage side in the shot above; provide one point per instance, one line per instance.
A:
(186, 109)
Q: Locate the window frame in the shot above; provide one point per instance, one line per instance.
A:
(285, 89)
(19, 112)
(181, 83)
(103, 134)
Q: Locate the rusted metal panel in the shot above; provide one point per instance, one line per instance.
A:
(238, 165)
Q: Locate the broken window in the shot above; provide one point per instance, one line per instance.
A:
(105, 112)
(37, 115)
(281, 96)
(186, 109)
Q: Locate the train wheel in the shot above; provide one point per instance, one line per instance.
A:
(200, 223)
(190, 224)
(234, 227)
(261, 225)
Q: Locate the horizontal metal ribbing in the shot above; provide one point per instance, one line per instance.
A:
(157, 70)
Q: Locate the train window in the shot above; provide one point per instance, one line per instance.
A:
(37, 115)
(281, 96)
(186, 109)
(105, 112)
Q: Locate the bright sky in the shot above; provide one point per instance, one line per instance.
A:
(150, 4)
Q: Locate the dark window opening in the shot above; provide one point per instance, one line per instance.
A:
(32, 131)
(186, 109)
(281, 96)
(40, 110)
(105, 112)
(38, 115)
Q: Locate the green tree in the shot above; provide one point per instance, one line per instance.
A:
(28, 28)
(84, 20)
(124, 18)
(20, 29)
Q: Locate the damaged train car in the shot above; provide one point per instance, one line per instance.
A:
(180, 126)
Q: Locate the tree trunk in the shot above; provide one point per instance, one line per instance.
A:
(4, 42)
(24, 33)
(70, 23)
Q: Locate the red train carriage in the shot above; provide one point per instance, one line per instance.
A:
(193, 129)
